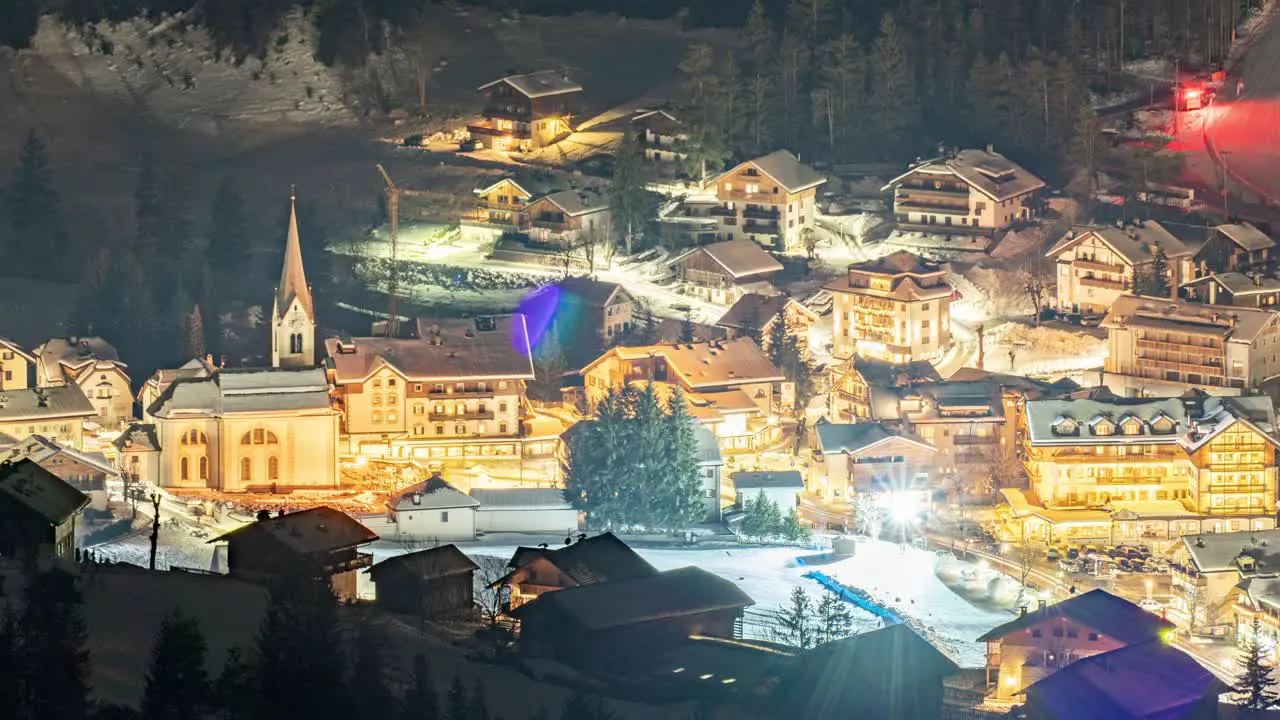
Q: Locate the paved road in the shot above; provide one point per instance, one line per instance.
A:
(1244, 133)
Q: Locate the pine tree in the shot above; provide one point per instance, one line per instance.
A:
(421, 701)
(786, 354)
(234, 692)
(1085, 153)
(301, 671)
(686, 327)
(840, 94)
(791, 529)
(35, 216)
(703, 148)
(149, 214)
(52, 652)
(456, 707)
(177, 686)
(228, 245)
(792, 68)
(893, 104)
(631, 205)
(195, 333)
(1158, 275)
(1255, 687)
(796, 621)
(682, 492)
(758, 79)
(833, 618)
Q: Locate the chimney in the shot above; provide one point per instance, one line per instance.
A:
(991, 148)
(73, 340)
(416, 498)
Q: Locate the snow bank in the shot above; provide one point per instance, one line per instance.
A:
(1043, 350)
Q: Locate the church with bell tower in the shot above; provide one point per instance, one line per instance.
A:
(293, 317)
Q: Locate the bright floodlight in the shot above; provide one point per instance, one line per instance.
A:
(901, 507)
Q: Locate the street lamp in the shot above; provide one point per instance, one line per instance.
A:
(1150, 584)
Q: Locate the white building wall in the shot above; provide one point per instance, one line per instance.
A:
(445, 525)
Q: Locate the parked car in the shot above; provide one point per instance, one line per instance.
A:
(1073, 552)
(1070, 566)
(1151, 606)
(1090, 550)
(1052, 554)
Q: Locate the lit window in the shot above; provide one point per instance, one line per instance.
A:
(459, 428)
(377, 382)
(753, 187)
(377, 417)
(391, 417)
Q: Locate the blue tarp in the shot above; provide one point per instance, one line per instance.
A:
(849, 595)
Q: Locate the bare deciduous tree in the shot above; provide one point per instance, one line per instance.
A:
(1035, 277)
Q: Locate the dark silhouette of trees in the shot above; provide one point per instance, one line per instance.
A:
(177, 685)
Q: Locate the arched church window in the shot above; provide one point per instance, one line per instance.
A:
(258, 436)
(204, 468)
(273, 468)
(246, 470)
(182, 469)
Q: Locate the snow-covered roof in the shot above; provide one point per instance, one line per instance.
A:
(1232, 324)
(429, 564)
(445, 349)
(138, 436)
(40, 449)
(768, 479)
(25, 482)
(432, 494)
(706, 364)
(785, 169)
(259, 390)
(1135, 243)
(538, 84)
(1239, 283)
(1246, 236)
(991, 173)
(308, 532)
(520, 498)
(1098, 610)
(67, 401)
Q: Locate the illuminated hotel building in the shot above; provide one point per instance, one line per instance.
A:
(897, 309)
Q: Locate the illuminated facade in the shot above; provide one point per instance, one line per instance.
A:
(293, 314)
(1162, 347)
(1097, 264)
(971, 191)
(454, 394)
(897, 309)
(93, 365)
(1145, 471)
(525, 112)
(499, 208)
(15, 366)
(770, 200)
(1224, 579)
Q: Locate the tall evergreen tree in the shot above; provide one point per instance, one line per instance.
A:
(833, 618)
(786, 354)
(234, 693)
(893, 100)
(1255, 688)
(704, 147)
(52, 651)
(149, 213)
(757, 75)
(370, 691)
(631, 204)
(795, 621)
(681, 499)
(38, 237)
(840, 95)
(686, 327)
(420, 700)
(301, 670)
(177, 686)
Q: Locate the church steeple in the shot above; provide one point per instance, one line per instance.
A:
(293, 281)
(293, 319)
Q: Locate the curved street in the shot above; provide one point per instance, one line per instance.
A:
(1243, 134)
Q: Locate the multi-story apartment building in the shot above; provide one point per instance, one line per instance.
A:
(57, 413)
(1120, 470)
(897, 308)
(731, 386)
(93, 365)
(1233, 288)
(872, 459)
(1097, 264)
(453, 393)
(15, 365)
(562, 219)
(1235, 247)
(770, 200)
(866, 388)
(1157, 346)
(971, 191)
(660, 135)
(525, 112)
(723, 272)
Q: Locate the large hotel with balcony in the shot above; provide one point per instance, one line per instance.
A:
(770, 200)
(896, 309)
(526, 112)
(1112, 470)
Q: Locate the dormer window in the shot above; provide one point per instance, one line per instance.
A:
(1130, 425)
(1162, 424)
(1065, 426)
(1102, 426)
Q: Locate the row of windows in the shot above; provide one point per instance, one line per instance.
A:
(458, 429)
(201, 468)
(479, 386)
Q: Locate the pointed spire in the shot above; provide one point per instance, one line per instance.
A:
(293, 281)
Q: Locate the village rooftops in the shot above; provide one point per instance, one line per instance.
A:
(28, 484)
(593, 560)
(590, 292)
(909, 277)
(753, 311)
(138, 436)
(543, 83)
(446, 349)
(768, 479)
(1103, 422)
(430, 564)
(1151, 680)
(1219, 552)
(952, 401)
(882, 373)
(38, 448)
(660, 122)
(617, 603)
(1246, 236)
(1098, 610)
(741, 258)
(1232, 324)
(1136, 243)
(433, 494)
(245, 391)
(317, 531)
(706, 364)
(785, 169)
(989, 172)
(519, 498)
(1239, 283)
(48, 402)
(577, 201)
(836, 438)
(16, 349)
(76, 351)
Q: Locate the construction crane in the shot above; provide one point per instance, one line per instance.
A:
(393, 213)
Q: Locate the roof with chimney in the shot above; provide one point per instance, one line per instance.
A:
(705, 364)
(1098, 610)
(591, 560)
(987, 171)
(1239, 283)
(446, 349)
(47, 495)
(739, 258)
(1231, 323)
(430, 564)
(432, 494)
(1134, 242)
(66, 358)
(46, 453)
(308, 532)
(293, 281)
(66, 401)
(912, 278)
(543, 83)
(1246, 236)
(753, 311)
(836, 438)
(1218, 552)
(783, 168)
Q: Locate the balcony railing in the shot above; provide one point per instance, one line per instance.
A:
(757, 226)
(485, 127)
(476, 415)
(1105, 284)
(930, 190)
(721, 211)
(361, 560)
(761, 213)
(456, 393)
(1192, 348)
(1095, 265)
(1236, 489)
(557, 225)
(975, 440)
